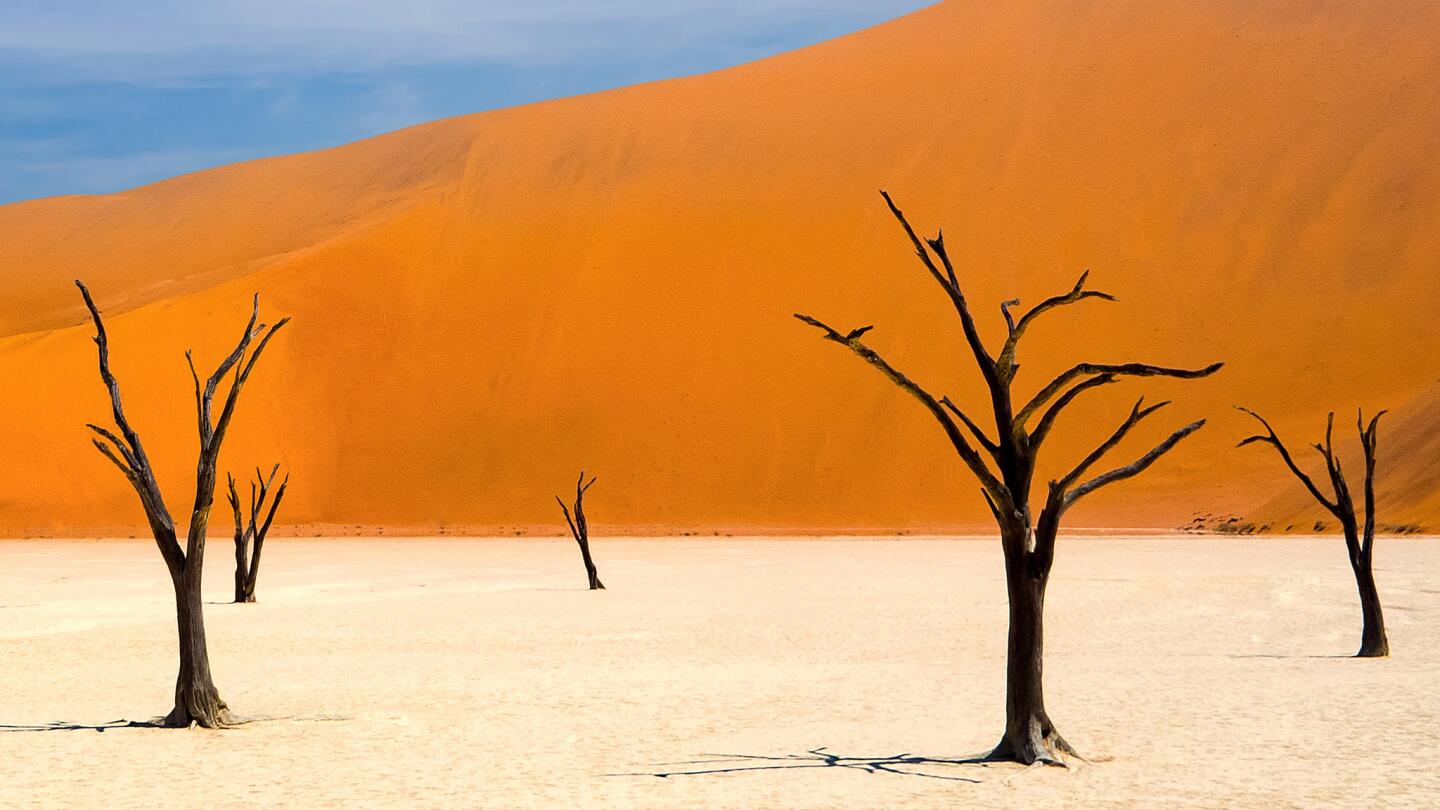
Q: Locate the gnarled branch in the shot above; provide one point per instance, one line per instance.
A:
(136, 465)
(242, 373)
(949, 282)
(1006, 361)
(1137, 415)
(1271, 438)
(967, 454)
(1368, 442)
(580, 530)
(975, 429)
(1047, 419)
(1134, 469)
(250, 536)
(1116, 370)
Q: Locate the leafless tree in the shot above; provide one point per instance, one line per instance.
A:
(1359, 544)
(250, 538)
(197, 701)
(1005, 467)
(580, 530)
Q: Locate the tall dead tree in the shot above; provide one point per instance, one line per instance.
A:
(1005, 467)
(1359, 544)
(197, 701)
(580, 530)
(250, 538)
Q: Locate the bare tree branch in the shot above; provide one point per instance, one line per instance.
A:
(103, 448)
(1273, 439)
(968, 454)
(970, 423)
(580, 529)
(206, 431)
(1368, 442)
(140, 473)
(1132, 470)
(1120, 370)
(1047, 419)
(1006, 361)
(571, 523)
(1005, 313)
(119, 445)
(1137, 415)
(951, 285)
(242, 374)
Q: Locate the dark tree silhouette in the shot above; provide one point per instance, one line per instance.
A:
(581, 531)
(196, 699)
(250, 538)
(1028, 544)
(1359, 544)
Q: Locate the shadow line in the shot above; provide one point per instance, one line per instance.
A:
(900, 764)
(1286, 657)
(236, 722)
(99, 727)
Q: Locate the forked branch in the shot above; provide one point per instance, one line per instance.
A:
(949, 282)
(968, 454)
(1134, 469)
(1137, 415)
(1271, 438)
(580, 529)
(1047, 419)
(1367, 443)
(1116, 370)
(1006, 361)
(250, 535)
(128, 455)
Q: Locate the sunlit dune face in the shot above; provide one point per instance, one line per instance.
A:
(484, 305)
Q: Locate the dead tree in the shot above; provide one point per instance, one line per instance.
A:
(581, 531)
(250, 538)
(196, 699)
(1359, 544)
(1005, 467)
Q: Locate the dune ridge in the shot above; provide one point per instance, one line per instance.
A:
(486, 304)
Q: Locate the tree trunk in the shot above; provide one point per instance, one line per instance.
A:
(1030, 736)
(1373, 643)
(254, 574)
(243, 593)
(590, 571)
(197, 701)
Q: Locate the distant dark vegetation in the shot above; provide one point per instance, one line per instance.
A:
(1207, 523)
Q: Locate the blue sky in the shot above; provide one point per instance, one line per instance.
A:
(102, 95)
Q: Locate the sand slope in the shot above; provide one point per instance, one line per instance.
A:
(483, 305)
(481, 674)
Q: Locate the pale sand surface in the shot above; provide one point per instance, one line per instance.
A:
(455, 673)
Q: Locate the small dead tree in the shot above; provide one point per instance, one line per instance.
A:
(250, 538)
(1028, 543)
(581, 531)
(197, 701)
(1359, 544)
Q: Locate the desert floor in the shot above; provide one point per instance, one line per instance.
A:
(1197, 672)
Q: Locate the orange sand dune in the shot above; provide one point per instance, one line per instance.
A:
(485, 304)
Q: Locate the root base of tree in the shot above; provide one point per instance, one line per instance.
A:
(1381, 650)
(1045, 748)
(210, 712)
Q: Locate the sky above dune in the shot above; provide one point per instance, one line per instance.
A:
(97, 97)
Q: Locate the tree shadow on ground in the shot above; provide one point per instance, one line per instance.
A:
(235, 722)
(1283, 656)
(66, 726)
(905, 764)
